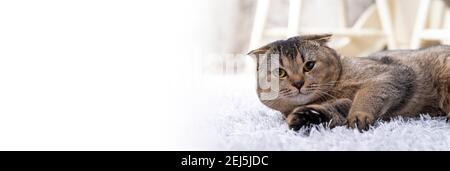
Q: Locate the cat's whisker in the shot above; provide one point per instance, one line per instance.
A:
(321, 96)
(322, 92)
(324, 88)
(327, 94)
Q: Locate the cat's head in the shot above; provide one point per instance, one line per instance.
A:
(307, 70)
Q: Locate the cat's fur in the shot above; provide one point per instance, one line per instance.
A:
(356, 91)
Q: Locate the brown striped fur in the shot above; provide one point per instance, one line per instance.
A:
(356, 91)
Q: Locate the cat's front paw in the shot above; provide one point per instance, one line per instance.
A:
(360, 120)
(305, 117)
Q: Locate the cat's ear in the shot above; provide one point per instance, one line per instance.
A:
(322, 39)
(260, 50)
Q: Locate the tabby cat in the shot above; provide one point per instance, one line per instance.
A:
(317, 85)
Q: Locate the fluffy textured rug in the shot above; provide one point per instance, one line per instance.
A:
(243, 123)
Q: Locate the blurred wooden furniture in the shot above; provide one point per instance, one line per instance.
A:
(432, 24)
(372, 31)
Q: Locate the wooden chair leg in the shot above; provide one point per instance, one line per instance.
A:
(259, 23)
(294, 17)
(343, 13)
(386, 22)
(446, 24)
(420, 22)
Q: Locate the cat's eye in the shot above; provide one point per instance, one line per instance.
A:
(280, 73)
(309, 66)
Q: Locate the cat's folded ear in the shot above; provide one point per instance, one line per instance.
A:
(260, 50)
(322, 39)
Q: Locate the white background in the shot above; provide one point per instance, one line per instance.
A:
(100, 74)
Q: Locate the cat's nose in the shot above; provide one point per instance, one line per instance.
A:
(298, 84)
